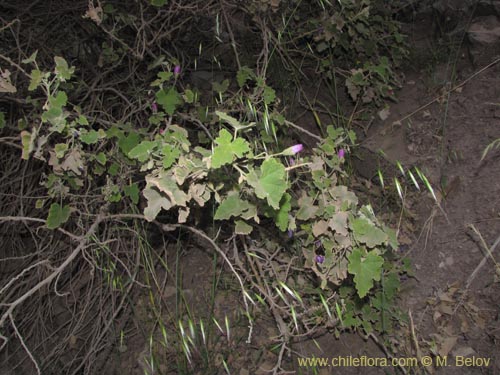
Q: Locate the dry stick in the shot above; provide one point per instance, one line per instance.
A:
(26, 218)
(489, 254)
(24, 345)
(21, 274)
(15, 65)
(231, 35)
(414, 338)
(384, 349)
(449, 91)
(481, 264)
(53, 275)
(303, 130)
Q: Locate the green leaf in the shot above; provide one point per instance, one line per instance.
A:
(269, 183)
(169, 100)
(27, 140)
(391, 285)
(89, 137)
(60, 149)
(165, 76)
(115, 131)
(189, 96)
(30, 59)
(114, 169)
(343, 195)
(113, 194)
(132, 191)
(226, 150)
(170, 155)
(57, 215)
(82, 120)
(366, 268)
(220, 87)
(36, 79)
(307, 209)
(366, 232)
(392, 237)
(242, 228)
(269, 95)
(62, 70)
(338, 223)
(127, 143)
(282, 216)
(39, 203)
(243, 75)
(166, 184)
(101, 158)
(155, 203)
(142, 151)
(232, 121)
(350, 320)
(59, 100)
(232, 206)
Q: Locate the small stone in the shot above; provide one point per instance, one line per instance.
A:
(384, 114)
(484, 32)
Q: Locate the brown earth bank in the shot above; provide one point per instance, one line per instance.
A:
(447, 113)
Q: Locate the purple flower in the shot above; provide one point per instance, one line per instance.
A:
(318, 243)
(291, 161)
(319, 259)
(154, 107)
(341, 153)
(290, 233)
(177, 70)
(293, 150)
(297, 148)
(162, 131)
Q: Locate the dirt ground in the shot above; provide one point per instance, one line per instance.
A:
(453, 298)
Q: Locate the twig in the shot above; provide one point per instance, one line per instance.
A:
(24, 345)
(14, 64)
(9, 24)
(231, 35)
(489, 254)
(21, 275)
(303, 130)
(37, 220)
(384, 349)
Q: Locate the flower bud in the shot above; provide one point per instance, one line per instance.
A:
(293, 150)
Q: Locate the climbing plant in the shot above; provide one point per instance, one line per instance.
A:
(142, 141)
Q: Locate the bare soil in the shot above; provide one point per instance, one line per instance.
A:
(453, 297)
